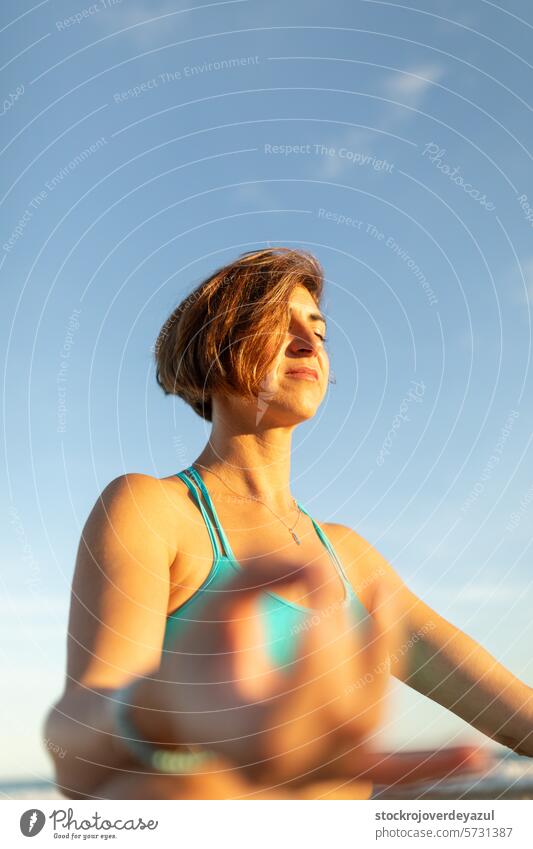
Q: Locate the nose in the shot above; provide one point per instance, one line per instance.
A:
(304, 340)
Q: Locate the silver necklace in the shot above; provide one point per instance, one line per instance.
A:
(291, 530)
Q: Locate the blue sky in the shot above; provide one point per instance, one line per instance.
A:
(146, 143)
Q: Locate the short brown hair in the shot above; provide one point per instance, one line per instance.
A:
(226, 333)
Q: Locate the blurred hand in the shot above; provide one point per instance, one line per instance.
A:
(309, 721)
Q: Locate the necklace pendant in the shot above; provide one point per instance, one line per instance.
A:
(295, 537)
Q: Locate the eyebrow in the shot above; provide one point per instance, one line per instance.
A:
(317, 316)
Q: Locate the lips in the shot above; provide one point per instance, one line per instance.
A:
(303, 371)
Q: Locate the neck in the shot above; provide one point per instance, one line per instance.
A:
(255, 464)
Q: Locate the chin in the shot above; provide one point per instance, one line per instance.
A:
(290, 414)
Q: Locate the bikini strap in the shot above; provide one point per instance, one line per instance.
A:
(329, 547)
(225, 542)
(191, 471)
(212, 536)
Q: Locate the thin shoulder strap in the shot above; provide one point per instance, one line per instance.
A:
(214, 542)
(225, 542)
(328, 546)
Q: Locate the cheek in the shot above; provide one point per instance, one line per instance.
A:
(269, 383)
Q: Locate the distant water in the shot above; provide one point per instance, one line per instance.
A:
(29, 790)
(510, 778)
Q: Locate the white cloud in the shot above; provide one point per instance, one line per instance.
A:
(521, 290)
(480, 593)
(260, 193)
(359, 141)
(413, 83)
(145, 22)
(409, 87)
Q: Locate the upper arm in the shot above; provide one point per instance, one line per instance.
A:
(120, 586)
(415, 623)
(368, 571)
(424, 636)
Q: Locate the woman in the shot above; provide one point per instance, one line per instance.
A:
(277, 691)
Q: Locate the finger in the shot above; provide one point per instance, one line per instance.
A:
(327, 657)
(241, 610)
(402, 768)
(360, 664)
(252, 670)
(317, 685)
(262, 574)
(309, 687)
(351, 664)
(384, 632)
(246, 633)
(421, 766)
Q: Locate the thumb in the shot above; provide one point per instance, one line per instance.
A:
(245, 627)
(263, 574)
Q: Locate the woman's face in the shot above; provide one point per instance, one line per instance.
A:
(294, 387)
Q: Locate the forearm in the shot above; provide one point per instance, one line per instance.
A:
(454, 670)
(81, 735)
(96, 765)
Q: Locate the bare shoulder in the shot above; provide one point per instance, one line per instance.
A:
(151, 504)
(366, 567)
(140, 482)
(121, 581)
(148, 492)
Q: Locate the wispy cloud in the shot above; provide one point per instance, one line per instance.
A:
(411, 87)
(351, 138)
(521, 290)
(260, 193)
(413, 84)
(481, 593)
(145, 23)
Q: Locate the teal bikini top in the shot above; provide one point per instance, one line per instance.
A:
(283, 620)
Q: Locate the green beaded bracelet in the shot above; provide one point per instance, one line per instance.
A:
(149, 755)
